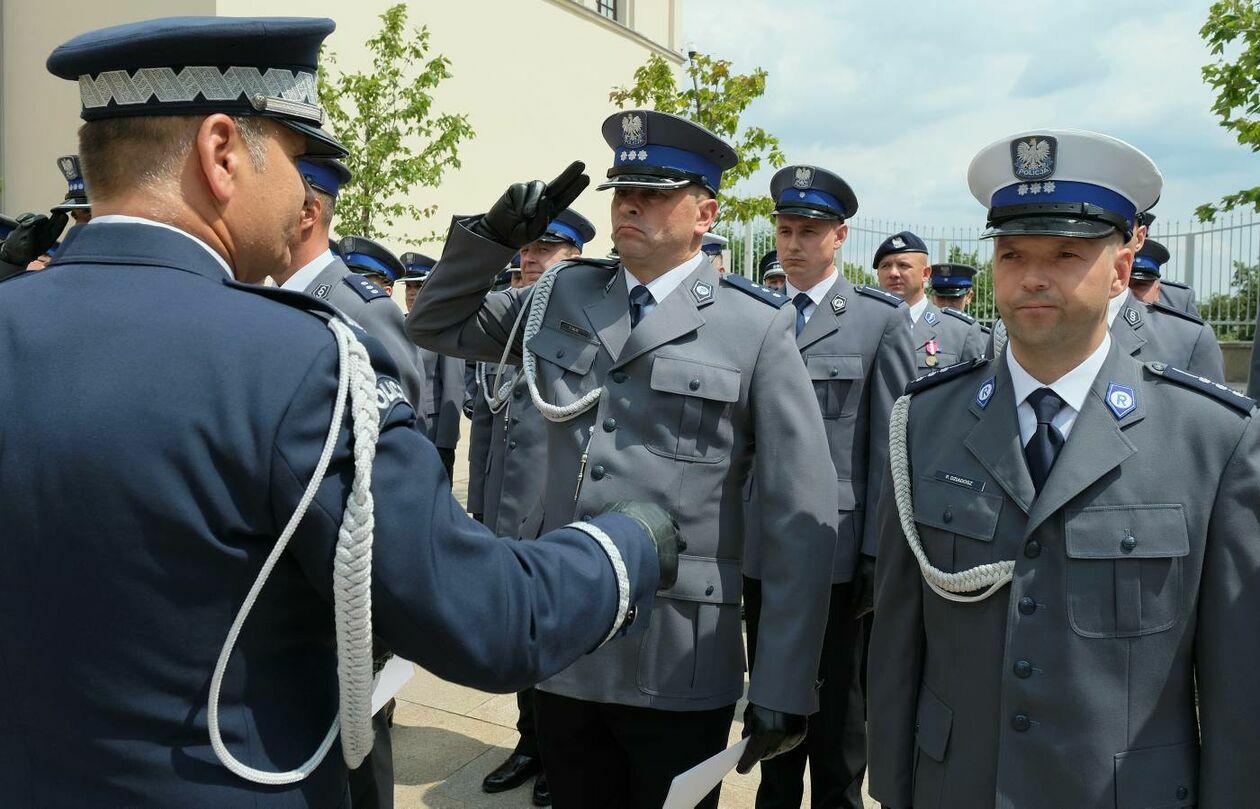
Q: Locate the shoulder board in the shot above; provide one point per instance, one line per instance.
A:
(367, 290)
(289, 297)
(963, 316)
(986, 329)
(603, 263)
(1164, 282)
(1216, 390)
(1168, 310)
(879, 295)
(944, 374)
(761, 293)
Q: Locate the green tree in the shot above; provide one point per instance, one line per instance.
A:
(1234, 24)
(716, 99)
(398, 143)
(1234, 312)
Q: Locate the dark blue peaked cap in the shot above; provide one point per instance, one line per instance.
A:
(770, 265)
(417, 266)
(367, 257)
(952, 279)
(1148, 263)
(326, 174)
(903, 242)
(202, 65)
(813, 192)
(658, 150)
(569, 226)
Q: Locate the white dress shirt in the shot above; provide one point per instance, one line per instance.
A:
(1072, 388)
(301, 279)
(1115, 305)
(662, 285)
(817, 293)
(119, 219)
(918, 309)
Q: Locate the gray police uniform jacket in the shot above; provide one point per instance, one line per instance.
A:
(364, 303)
(1136, 586)
(959, 338)
(857, 348)
(710, 374)
(1178, 296)
(444, 397)
(516, 470)
(479, 437)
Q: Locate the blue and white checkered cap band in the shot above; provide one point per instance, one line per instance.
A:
(668, 157)
(210, 83)
(363, 261)
(565, 231)
(811, 197)
(1067, 191)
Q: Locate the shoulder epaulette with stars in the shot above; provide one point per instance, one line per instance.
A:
(761, 293)
(879, 295)
(1222, 393)
(1177, 284)
(1168, 310)
(367, 290)
(963, 316)
(944, 374)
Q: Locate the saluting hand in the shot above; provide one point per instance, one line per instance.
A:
(32, 237)
(522, 214)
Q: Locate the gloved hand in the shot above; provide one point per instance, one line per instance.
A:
(663, 529)
(769, 734)
(32, 237)
(523, 212)
(864, 586)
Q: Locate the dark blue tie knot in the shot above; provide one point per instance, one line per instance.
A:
(640, 297)
(801, 301)
(1046, 404)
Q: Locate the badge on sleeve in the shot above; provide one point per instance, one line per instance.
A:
(1121, 400)
(985, 394)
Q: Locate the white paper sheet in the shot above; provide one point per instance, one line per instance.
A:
(689, 788)
(390, 680)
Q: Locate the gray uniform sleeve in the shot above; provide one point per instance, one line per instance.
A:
(479, 438)
(976, 344)
(454, 315)
(794, 472)
(894, 367)
(1226, 641)
(1206, 358)
(450, 402)
(382, 319)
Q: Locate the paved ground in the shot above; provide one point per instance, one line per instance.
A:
(447, 738)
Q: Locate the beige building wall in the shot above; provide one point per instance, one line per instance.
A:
(532, 75)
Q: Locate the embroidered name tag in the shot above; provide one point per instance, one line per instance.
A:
(959, 480)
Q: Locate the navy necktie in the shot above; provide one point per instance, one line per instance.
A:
(640, 299)
(1046, 442)
(800, 302)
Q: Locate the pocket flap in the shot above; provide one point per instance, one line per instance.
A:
(569, 352)
(690, 378)
(713, 581)
(956, 509)
(852, 495)
(932, 724)
(823, 367)
(1158, 777)
(1127, 532)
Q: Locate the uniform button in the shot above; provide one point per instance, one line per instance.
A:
(708, 590)
(619, 376)
(511, 445)
(1021, 722)
(586, 517)
(559, 353)
(834, 372)
(1027, 605)
(1033, 549)
(1128, 544)
(630, 616)
(610, 425)
(1023, 669)
(597, 472)
(1182, 793)
(694, 384)
(948, 516)
(518, 393)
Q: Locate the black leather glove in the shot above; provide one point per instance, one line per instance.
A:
(32, 237)
(523, 212)
(769, 734)
(864, 586)
(663, 529)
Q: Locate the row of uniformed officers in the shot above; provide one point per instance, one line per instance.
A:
(1056, 526)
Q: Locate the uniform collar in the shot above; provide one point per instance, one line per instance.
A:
(1072, 387)
(818, 292)
(918, 309)
(662, 285)
(125, 219)
(304, 277)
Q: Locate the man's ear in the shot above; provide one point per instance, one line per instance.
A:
(706, 214)
(218, 149)
(842, 233)
(311, 213)
(1123, 267)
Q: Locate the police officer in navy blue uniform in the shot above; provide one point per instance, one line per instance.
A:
(188, 406)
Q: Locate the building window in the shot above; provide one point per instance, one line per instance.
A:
(608, 8)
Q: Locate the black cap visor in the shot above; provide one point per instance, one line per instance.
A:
(1050, 226)
(1143, 274)
(809, 212)
(319, 143)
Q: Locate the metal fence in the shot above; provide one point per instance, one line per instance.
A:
(1221, 261)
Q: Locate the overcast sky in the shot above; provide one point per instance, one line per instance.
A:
(897, 97)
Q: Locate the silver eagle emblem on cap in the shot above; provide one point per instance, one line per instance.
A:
(1033, 158)
(898, 242)
(804, 177)
(633, 130)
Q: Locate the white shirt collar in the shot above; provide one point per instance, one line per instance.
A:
(662, 285)
(120, 219)
(917, 310)
(302, 279)
(818, 292)
(1115, 305)
(1073, 388)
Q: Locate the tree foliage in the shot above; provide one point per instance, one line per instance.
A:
(1234, 25)
(398, 143)
(716, 99)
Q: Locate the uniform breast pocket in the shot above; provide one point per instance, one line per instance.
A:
(942, 359)
(568, 360)
(956, 523)
(693, 400)
(837, 380)
(1124, 569)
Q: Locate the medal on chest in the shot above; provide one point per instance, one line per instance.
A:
(931, 348)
